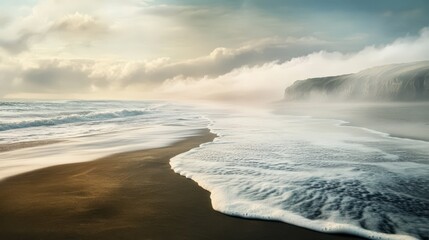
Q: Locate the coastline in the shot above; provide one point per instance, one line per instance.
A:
(132, 195)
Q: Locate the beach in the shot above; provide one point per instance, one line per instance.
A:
(132, 195)
(15, 146)
(217, 120)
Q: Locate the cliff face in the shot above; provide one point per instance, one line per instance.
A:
(398, 82)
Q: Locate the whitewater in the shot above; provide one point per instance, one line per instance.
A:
(311, 172)
(88, 130)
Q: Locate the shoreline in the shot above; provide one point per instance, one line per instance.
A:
(388, 134)
(132, 195)
(6, 147)
(386, 118)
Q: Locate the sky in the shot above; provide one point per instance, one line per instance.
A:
(229, 50)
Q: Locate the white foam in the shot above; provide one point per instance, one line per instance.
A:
(91, 130)
(309, 172)
(313, 173)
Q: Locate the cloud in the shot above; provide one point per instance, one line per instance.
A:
(56, 76)
(223, 60)
(258, 71)
(194, 29)
(17, 45)
(60, 78)
(49, 21)
(4, 20)
(75, 25)
(7, 77)
(183, 11)
(79, 23)
(267, 82)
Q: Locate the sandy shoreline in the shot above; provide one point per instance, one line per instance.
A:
(132, 195)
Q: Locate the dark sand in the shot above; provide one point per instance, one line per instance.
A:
(132, 195)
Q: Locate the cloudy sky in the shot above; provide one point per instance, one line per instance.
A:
(199, 49)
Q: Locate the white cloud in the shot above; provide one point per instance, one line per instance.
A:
(51, 23)
(249, 73)
(267, 83)
(79, 23)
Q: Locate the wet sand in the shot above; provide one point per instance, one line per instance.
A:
(132, 195)
(15, 146)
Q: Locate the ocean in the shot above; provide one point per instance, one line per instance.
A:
(312, 172)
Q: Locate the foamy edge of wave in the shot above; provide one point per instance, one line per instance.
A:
(73, 118)
(234, 206)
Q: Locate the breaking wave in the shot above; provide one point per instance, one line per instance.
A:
(71, 118)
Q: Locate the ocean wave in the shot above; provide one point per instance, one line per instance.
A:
(72, 118)
(314, 173)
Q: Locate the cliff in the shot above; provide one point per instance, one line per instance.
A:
(397, 82)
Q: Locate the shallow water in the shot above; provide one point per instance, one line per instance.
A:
(91, 129)
(315, 173)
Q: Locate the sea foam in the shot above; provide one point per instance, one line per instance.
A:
(65, 118)
(88, 130)
(313, 173)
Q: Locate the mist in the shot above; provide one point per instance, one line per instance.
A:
(267, 82)
(397, 119)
